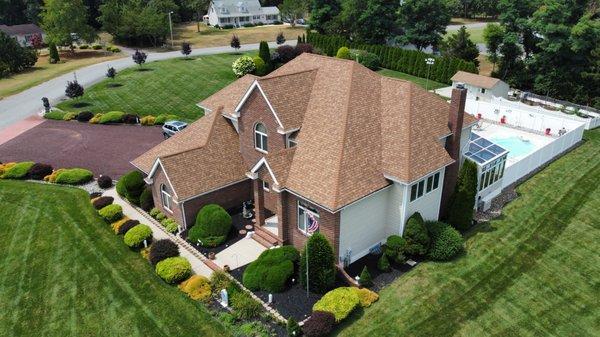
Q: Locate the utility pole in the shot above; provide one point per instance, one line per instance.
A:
(430, 61)
(171, 28)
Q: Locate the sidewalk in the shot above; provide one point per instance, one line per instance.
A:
(159, 233)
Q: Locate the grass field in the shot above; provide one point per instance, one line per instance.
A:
(533, 272)
(475, 34)
(63, 273)
(44, 71)
(418, 80)
(171, 86)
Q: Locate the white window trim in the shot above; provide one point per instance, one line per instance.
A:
(306, 210)
(163, 193)
(265, 186)
(424, 180)
(263, 141)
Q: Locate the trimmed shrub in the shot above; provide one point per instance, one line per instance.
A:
(265, 54)
(96, 47)
(18, 170)
(242, 66)
(130, 119)
(105, 182)
(244, 306)
(5, 167)
(260, 66)
(163, 249)
(170, 225)
(163, 118)
(212, 226)
(272, 269)
(111, 213)
(416, 236)
(160, 216)
(55, 115)
(173, 269)
(343, 53)
(118, 224)
(304, 48)
(446, 242)
(101, 202)
(84, 116)
(38, 171)
(112, 117)
(84, 46)
(340, 302)
(292, 327)
(126, 226)
(395, 247)
(383, 264)
(74, 176)
(146, 199)
(366, 296)
(286, 53)
(148, 120)
(96, 118)
(365, 58)
(365, 279)
(321, 264)
(154, 212)
(319, 324)
(131, 186)
(197, 288)
(52, 177)
(69, 116)
(134, 238)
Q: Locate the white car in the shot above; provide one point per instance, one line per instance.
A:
(172, 127)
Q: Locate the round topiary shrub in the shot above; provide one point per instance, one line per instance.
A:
(105, 182)
(101, 202)
(446, 242)
(197, 288)
(84, 116)
(395, 247)
(111, 213)
(340, 302)
(18, 170)
(146, 199)
(125, 227)
(343, 53)
(163, 249)
(417, 238)
(74, 176)
(212, 226)
(243, 65)
(319, 324)
(130, 119)
(134, 238)
(173, 269)
(131, 186)
(272, 270)
(38, 171)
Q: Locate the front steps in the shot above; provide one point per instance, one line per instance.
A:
(265, 237)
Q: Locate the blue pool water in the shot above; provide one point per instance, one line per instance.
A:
(515, 145)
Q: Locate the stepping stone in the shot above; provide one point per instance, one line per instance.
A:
(249, 227)
(411, 263)
(242, 232)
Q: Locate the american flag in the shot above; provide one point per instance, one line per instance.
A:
(313, 224)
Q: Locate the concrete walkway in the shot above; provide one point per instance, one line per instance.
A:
(27, 103)
(240, 253)
(158, 233)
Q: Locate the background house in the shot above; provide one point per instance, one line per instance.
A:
(23, 33)
(238, 13)
(480, 87)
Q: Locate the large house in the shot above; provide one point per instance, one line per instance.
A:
(480, 87)
(24, 33)
(237, 13)
(319, 140)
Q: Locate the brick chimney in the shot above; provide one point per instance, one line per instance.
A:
(455, 123)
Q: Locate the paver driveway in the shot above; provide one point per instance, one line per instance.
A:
(104, 149)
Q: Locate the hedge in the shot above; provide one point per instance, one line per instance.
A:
(146, 200)
(446, 242)
(18, 171)
(272, 269)
(407, 61)
(212, 226)
(395, 247)
(74, 176)
(340, 302)
(55, 115)
(126, 226)
(163, 249)
(111, 213)
(173, 269)
(101, 202)
(197, 288)
(131, 186)
(112, 117)
(135, 237)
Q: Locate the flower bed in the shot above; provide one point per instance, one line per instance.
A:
(110, 117)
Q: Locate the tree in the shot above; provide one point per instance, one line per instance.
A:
(424, 22)
(493, 34)
(383, 264)
(235, 42)
(417, 238)
(199, 7)
(510, 64)
(13, 57)
(37, 42)
(74, 89)
(186, 49)
(356, 20)
(65, 22)
(514, 16)
(280, 39)
(323, 14)
(53, 53)
(459, 45)
(139, 57)
(292, 10)
(265, 54)
(365, 279)
(111, 73)
(462, 202)
(321, 264)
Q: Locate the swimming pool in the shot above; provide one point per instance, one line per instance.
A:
(517, 146)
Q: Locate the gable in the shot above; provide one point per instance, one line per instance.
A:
(255, 100)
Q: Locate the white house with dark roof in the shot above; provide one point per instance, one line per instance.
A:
(23, 33)
(239, 12)
(480, 87)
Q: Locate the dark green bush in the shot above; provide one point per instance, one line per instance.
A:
(172, 269)
(131, 186)
(383, 263)
(446, 242)
(162, 249)
(365, 58)
(272, 269)
(321, 264)
(395, 247)
(74, 176)
(135, 237)
(365, 278)
(18, 171)
(38, 171)
(212, 226)
(417, 238)
(319, 324)
(111, 213)
(101, 202)
(146, 200)
(112, 117)
(460, 209)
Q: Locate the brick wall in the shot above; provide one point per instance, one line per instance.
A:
(159, 179)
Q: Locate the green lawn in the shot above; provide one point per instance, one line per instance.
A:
(475, 34)
(63, 273)
(171, 86)
(533, 272)
(417, 80)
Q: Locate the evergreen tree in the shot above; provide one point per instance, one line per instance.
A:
(365, 279)
(111, 73)
(139, 57)
(462, 202)
(265, 54)
(74, 90)
(323, 14)
(321, 264)
(460, 45)
(186, 48)
(53, 53)
(415, 233)
(359, 24)
(383, 263)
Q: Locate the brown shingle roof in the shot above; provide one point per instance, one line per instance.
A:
(475, 79)
(28, 28)
(228, 97)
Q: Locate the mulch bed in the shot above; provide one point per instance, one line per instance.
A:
(380, 279)
(238, 223)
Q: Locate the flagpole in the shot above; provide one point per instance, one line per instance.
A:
(307, 293)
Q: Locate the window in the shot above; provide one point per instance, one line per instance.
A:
(291, 140)
(307, 216)
(492, 172)
(265, 185)
(165, 197)
(483, 90)
(260, 137)
(424, 186)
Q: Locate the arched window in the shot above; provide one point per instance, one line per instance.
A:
(260, 137)
(165, 197)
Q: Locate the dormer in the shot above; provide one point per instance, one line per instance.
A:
(242, 8)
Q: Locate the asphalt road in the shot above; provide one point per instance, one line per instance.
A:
(15, 108)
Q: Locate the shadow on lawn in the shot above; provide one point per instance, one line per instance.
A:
(80, 104)
(145, 69)
(114, 85)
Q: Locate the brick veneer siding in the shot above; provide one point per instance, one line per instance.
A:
(159, 179)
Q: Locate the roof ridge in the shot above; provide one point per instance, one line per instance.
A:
(269, 77)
